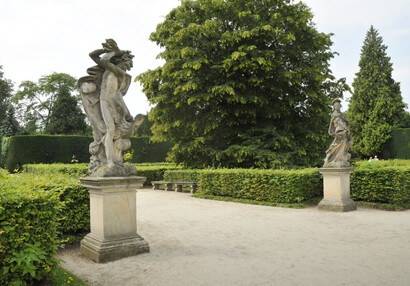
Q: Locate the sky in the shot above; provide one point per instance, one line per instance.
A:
(45, 36)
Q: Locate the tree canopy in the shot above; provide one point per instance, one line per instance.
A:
(51, 105)
(245, 84)
(376, 105)
(6, 92)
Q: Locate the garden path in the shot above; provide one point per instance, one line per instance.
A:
(204, 242)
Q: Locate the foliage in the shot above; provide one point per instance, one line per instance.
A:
(73, 170)
(35, 101)
(249, 202)
(145, 128)
(74, 215)
(28, 233)
(183, 175)
(276, 186)
(6, 90)
(382, 181)
(376, 105)
(9, 126)
(245, 83)
(23, 149)
(60, 276)
(66, 115)
(147, 151)
(398, 146)
(153, 171)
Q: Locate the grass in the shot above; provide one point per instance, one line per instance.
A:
(383, 206)
(60, 277)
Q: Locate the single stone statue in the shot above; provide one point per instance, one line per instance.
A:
(102, 93)
(337, 155)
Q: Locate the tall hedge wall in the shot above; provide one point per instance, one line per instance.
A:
(398, 146)
(19, 150)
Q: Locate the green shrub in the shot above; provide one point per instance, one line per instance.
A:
(23, 149)
(154, 172)
(28, 233)
(398, 146)
(182, 175)
(26, 149)
(276, 186)
(76, 170)
(382, 181)
(147, 151)
(74, 215)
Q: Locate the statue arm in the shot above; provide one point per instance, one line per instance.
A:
(95, 55)
(107, 64)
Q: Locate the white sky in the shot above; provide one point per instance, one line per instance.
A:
(39, 37)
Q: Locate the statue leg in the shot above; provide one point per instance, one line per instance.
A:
(109, 136)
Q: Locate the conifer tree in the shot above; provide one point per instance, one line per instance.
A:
(376, 105)
(9, 126)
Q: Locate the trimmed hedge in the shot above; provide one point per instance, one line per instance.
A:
(276, 186)
(76, 170)
(182, 175)
(20, 150)
(398, 146)
(28, 232)
(25, 149)
(382, 181)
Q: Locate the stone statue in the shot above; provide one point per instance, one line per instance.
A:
(337, 155)
(102, 94)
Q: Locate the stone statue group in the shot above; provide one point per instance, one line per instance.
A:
(102, 93)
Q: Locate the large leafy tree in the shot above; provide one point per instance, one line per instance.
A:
(36, 101)
(6, 91)
(376, 105)
(245, 83)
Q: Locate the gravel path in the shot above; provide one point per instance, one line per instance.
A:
(205, 242)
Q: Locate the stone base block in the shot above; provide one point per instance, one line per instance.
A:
(335, 205)
(102, 251)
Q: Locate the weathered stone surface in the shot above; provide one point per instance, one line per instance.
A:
(337, 155)
(336, 190)
(102, 251)
(113, 216)
(102, 93)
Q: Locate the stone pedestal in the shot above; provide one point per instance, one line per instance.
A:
(336, 190)
(113, 214)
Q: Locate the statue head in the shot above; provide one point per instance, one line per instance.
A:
(337, 104)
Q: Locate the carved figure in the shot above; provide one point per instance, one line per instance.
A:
(102, 93)
(336, 154)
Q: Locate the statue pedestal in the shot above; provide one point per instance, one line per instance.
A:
(113, 213)
(336, 190)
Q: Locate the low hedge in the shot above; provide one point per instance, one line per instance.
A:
(153, 171)
(382, 181)
(276, 186)
(74, 215)
(28, 232)
(76, 170)
(182, 175)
